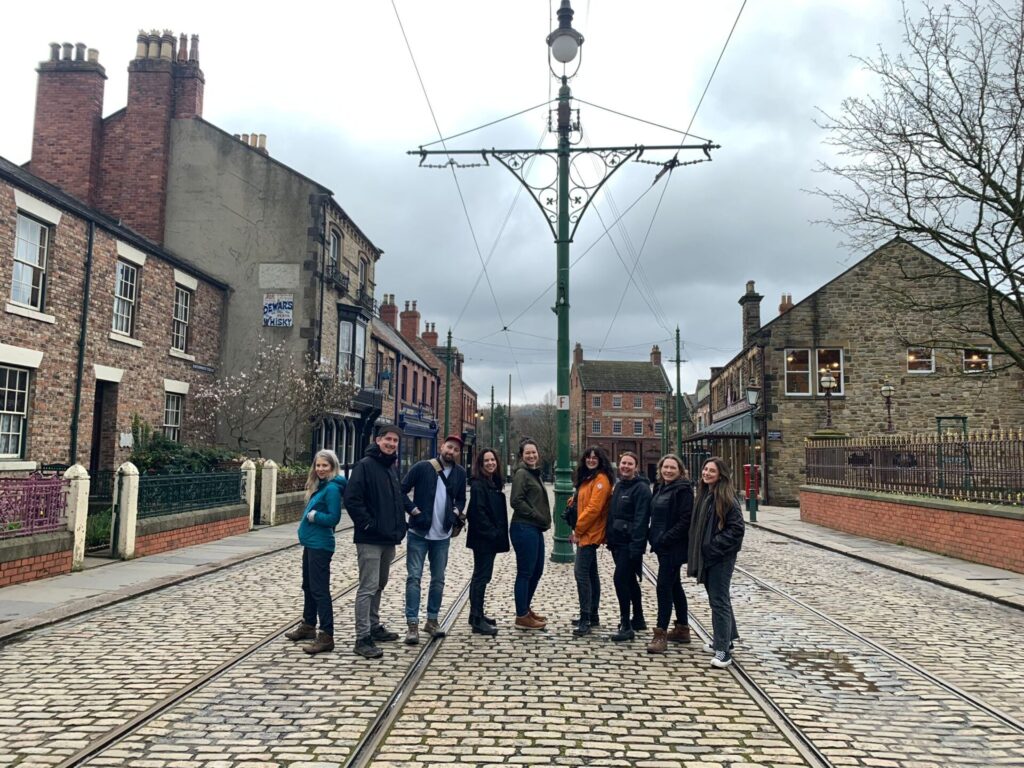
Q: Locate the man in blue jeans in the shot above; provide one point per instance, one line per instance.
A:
(439, 497)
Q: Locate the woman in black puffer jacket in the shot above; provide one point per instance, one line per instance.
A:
(671, 510)
(487, 535)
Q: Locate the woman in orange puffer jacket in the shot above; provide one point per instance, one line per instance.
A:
(593, 497)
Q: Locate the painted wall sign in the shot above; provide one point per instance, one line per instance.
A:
(277, 309)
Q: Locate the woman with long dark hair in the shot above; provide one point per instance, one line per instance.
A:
(325, 487)
(716, 535)
(488, 533)
(671, 511)
(531, 516)
(626, 533)
(593, 496)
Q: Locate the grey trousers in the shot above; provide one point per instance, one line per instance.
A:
(374, 566)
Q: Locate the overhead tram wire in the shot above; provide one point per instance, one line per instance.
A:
(707, 86)
(646, 122)
(455, 178)
(486, 125)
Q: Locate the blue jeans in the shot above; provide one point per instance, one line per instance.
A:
(717, 580)
(416, 549)
(528, 542)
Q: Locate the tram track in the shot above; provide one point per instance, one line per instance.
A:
(116, 735)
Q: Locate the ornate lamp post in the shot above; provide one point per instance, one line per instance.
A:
(563, 203)
(753, 397)
(827, 382)
(888, 390)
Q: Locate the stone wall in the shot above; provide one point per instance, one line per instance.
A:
(289, 507)
(980, 533)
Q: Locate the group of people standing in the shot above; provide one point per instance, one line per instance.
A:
(702, 529)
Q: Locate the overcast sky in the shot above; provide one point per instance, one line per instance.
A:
(334, 88)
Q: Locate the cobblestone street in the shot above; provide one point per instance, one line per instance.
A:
(541, 698)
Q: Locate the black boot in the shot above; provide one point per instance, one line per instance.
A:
(489, 620)
(638, 622)
(581, 618)
(625, 632)
(582, 627)
(481, 627)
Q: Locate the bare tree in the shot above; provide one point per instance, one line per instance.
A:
(937, 158)
(538, 421)
(316, 395)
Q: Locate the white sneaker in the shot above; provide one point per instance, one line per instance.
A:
(721, 660)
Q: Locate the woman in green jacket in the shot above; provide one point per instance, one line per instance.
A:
(531, 516)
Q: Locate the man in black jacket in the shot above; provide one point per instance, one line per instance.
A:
(377, 506)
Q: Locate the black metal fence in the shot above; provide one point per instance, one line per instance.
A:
(168, 494)
(986, 467)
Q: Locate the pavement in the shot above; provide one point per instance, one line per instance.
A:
(1006, 587)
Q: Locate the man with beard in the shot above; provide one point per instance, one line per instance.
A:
(377, 506)
(438, 497)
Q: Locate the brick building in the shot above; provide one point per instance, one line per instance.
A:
(301, 269)
(409, 385)
(461, 398)
(853, 328)
(100, 324)
(619, 406)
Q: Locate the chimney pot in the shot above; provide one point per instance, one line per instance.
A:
(406, 306)
(153, 49)
(79, 51)
(577, 354)
(67, 51)
(93, 55)
(262, 146)
(414, 305)
(166, 46)
(54, 51)
(245, 138)
(141, 44)
(182, 48)
(193, 52)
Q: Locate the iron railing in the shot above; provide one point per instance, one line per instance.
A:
(985, 467)
(34, 504)
(169, 494)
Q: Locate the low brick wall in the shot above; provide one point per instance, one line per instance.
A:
(982, 533)
(160, 534)
(290, 506)
(35, 557)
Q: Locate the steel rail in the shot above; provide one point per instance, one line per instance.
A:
(117, 734)
(365, 749)
(998, 714)
(792, 732)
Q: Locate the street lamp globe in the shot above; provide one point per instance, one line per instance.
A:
(888, 390)
(827, 382)
(753, 395)
(565, 41)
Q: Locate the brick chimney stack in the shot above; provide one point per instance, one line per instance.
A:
(189, 81)
(430, 335)
(751, 303)
(68, 131)
(410, 320)
(656, 356)
(577, 354)
(389, 311)
(786, 304)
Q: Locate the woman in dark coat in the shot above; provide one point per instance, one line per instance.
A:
(716, 535)
(487, 535)
(671, 510)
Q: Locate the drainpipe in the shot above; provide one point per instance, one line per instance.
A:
(76, 413)
(320, 316)
(764, 426)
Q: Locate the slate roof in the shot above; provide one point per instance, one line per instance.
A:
(55, 196)
(394, 339)
(622, 376)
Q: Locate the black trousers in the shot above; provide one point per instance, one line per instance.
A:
(316, 589)
(588, 583)
(483, 569)
(670, 589)
(627, 585)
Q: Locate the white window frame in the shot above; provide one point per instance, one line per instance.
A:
(595, 401)
(988, 360)
(616, 426)
(911, 351)
(595, 426)
(174, 407)
(180, 321)
(659, 404)
(658, 427)
(334, 253)
(788, 373)
(346, 338)
(638, 427)
(839, 390)
(638, 402)
(125, 303)
(35, 270)
(14, 421)
(616, 401)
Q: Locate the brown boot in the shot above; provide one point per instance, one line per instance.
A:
(323, 642)
(537, 617)
(659, 643)
(680, 633)
(302, 632)
(528, 622)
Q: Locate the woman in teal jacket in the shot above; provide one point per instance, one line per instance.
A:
(324, 490)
